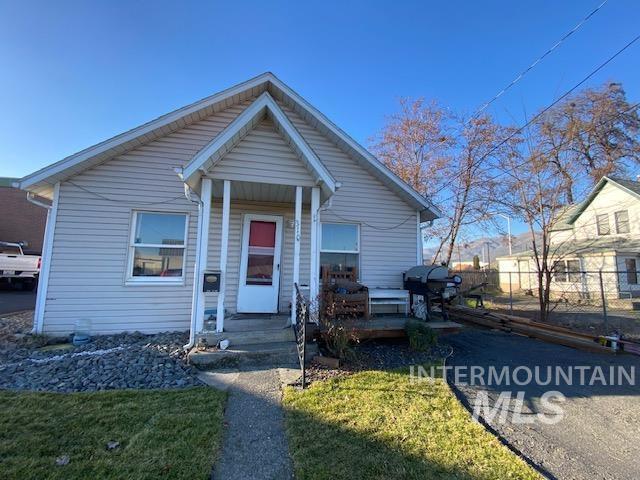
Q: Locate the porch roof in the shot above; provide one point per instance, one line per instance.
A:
(212, 153)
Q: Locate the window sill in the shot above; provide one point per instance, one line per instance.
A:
(154, 283)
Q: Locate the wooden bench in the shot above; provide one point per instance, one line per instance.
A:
(389, 296)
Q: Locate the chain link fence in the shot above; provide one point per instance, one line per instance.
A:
(599, 302)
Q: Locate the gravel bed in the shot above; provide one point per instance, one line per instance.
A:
(132, 360)
(13, 326)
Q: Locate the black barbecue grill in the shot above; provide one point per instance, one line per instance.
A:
(434, 284)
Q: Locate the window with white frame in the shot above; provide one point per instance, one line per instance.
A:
(157, 247)
(602, 222)
(567, 271)
(340, 247)
(622, 221)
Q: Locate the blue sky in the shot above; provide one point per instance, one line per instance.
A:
(73, 73)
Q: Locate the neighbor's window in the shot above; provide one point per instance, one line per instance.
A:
(622, 221)
(566, 271)
(573, 270)
(340, 246)
(602, 222)
(560, 271)
(157, 246)
(632, 272)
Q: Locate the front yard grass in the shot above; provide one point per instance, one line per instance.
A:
(378, 425)
(162, 434)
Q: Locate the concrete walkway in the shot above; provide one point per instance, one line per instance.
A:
(254, 444)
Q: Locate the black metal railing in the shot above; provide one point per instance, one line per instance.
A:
(300, 330)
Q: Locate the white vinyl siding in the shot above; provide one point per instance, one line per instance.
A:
(91, 241)
(388, 243)
(263, 156)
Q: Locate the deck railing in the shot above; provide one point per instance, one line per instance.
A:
(300, 330)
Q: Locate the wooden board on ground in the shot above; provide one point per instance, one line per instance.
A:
(524, 326)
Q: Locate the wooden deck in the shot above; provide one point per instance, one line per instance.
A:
(392, 326)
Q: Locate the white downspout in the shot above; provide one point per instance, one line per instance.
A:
(45, 264)
(194, 198)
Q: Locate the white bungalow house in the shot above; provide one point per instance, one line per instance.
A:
(597, 238)
(251, 186)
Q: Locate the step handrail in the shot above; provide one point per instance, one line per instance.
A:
(300, 330)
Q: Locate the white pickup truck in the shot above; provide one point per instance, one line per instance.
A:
(17, 268)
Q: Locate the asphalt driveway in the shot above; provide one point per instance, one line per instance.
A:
(599, 435)
(16, 300)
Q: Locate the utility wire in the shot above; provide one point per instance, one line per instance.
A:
(350, 220)
(547, 108)
(537, 61)
(102, 197)
(523, 163)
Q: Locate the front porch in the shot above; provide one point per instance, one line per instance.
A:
(255, 243)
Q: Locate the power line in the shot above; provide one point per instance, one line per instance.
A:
(107, 199)
(523, 163)
(547, 108)
(537, 61)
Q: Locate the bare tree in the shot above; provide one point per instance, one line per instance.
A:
(443, 156)
(529, 188)
(414, 143)
(567, 150)
(597, 130)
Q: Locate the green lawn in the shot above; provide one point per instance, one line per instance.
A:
(162, 434)
(376, 425)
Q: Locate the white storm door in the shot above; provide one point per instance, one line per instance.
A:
(259, 281)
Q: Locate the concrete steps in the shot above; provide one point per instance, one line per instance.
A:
(252, 324)
(259, 354)
(271, 335)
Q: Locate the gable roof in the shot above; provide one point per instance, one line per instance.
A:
(628, 186)
(565, 214)
(41, 182)
(224, 142)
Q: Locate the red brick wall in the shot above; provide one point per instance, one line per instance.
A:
(21, 220)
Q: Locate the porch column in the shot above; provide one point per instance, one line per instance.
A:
(419, 253)
(296, 252)
(202, 251)
(314, 275)
(224, 246)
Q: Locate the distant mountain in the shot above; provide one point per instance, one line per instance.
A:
(498, 246)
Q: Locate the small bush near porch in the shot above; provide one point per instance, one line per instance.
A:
(377, 425)
(170, 434)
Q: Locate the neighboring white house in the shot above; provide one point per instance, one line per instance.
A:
(252, 185)
(596, 239)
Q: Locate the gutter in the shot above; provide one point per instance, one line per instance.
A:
(32, 199)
